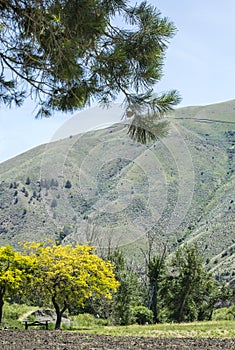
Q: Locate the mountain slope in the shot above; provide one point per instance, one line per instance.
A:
(101, 187)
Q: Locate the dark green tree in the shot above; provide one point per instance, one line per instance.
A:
(128, 293)
(27, 182)
(190, 287)
(213, 294)
(68, 184)
(157, 279)
(67, 53)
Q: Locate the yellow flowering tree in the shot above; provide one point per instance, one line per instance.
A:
(67, 275)
(15, 271)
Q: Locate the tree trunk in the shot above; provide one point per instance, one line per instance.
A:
(155, 304)
(59, 313)
(58, 320)
(1, 307)
(181, 308)
(2, 292)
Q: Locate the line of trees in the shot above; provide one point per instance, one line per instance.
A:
(167, 288)
(75, 279)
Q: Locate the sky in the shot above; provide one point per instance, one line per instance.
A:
(200, 64)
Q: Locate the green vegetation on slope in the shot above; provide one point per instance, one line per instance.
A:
(181, 189)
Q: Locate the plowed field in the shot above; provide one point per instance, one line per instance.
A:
(62, 340)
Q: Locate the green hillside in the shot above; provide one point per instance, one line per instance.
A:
(102, 188)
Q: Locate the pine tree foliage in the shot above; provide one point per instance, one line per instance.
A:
(67, 53)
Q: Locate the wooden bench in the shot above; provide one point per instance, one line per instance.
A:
(28, 324)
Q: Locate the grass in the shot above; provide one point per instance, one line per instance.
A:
(12, 315)
(206, 329)
(220, 111)
(86, 323)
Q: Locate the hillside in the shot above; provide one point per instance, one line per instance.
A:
(101, 187)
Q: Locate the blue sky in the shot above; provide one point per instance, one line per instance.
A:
(200, 64)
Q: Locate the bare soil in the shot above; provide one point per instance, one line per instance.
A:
(62, 340)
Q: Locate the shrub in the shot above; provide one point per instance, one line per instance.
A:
(225, 313)
(68, 184)
(53, 203)
(27, 182)
(142, 315)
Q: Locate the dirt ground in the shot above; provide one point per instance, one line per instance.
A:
(61, 340)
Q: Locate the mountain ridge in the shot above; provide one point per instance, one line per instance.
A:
(103, 188)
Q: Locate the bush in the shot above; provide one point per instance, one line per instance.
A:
(225, 313)
(53, 203)
(68, 184)
(27, 182)
(142, 315)
(86, 320)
